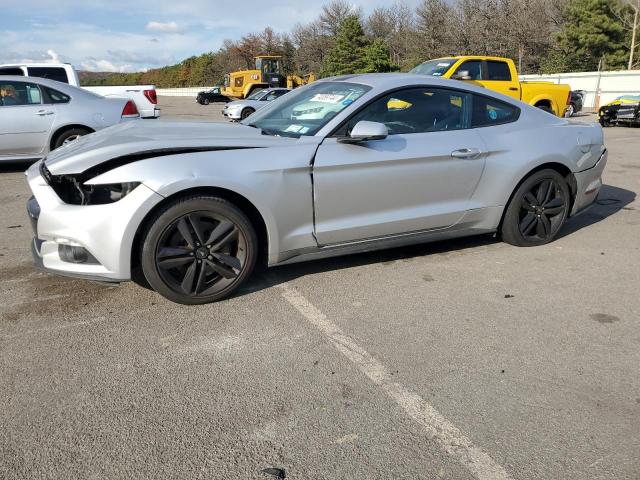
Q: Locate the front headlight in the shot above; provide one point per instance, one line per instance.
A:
(107, 193)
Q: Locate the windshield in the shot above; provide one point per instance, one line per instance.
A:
(306, 110)
(256, 94)
(434, 68)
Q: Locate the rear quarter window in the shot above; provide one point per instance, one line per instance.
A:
(54, 96)
(488, 111)
(498, 71)
(12, 71)
(52, 73)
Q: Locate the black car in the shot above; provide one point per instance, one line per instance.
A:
(576, 102)
(622, 111)
(213, 95)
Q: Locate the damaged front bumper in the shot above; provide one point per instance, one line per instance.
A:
(86, 241)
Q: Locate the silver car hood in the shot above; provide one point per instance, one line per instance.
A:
(149, 136)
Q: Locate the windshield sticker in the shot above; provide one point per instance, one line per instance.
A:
(327, 98)
(443, 64)
(493, 115)
(436, 74)
(303, 130)
(294, 128)
(347, 102)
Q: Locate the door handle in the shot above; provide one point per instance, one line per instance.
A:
(515, 89)
(42, 113)
(467, 153)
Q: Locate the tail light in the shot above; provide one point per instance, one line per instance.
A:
(569, 98)
(130, 110)
(151, 96)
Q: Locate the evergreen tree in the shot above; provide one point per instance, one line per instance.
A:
(377, 58)
(349, 52)
(590, 33)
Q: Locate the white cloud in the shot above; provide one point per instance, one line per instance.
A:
(168, 27)
(102, 65)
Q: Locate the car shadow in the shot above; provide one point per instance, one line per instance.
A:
(15, 166)
(610, 201)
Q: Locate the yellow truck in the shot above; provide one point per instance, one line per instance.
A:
(267, 73)
(499, 74)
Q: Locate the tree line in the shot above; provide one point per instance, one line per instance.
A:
(541, 36)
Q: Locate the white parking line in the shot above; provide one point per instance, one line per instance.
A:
(451, 439)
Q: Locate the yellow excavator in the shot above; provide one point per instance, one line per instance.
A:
(268, 73)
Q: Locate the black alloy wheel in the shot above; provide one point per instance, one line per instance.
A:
(199, 250)
(537, 210)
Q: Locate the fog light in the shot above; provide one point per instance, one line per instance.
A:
(75, 254)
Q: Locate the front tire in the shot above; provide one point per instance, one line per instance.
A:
(198, 249)
(538, 210)
(205, 101)
(246, 112)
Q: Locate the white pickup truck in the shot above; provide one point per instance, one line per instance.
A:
(144, 96)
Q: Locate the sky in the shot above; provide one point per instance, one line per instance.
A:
(135, 35)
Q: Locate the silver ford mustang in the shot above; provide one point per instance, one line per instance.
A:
(375, 161)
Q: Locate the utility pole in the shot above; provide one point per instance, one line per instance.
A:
(634, 29)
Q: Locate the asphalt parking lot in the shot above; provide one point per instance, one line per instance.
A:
(455, 360)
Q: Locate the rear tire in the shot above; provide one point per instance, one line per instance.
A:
(198, 249)
(537, 211)
(69, 136)
(546, 109)
(246, 112)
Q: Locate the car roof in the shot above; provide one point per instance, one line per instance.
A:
(386, 81)
(61, 86)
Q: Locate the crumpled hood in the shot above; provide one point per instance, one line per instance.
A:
(135, 137)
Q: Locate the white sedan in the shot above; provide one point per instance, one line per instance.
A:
(241, 109)
(39, 115)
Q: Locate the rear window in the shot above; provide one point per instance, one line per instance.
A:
(54, 96)
(498, 71)
(489, 111)
(52, 73)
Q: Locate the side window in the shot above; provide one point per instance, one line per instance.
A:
(12, 71)
(498, 71)
(52, 73)
(489, 111)
(19, 93)
(473, 69)
(417, 110)
(54, 96)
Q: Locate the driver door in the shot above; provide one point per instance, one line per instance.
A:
(419, 178)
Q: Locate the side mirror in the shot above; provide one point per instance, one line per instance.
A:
(461, 75)
(364, 131)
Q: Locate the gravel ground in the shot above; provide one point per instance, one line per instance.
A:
(461, 359)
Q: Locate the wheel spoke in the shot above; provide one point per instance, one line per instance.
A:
(187, 281)
(527, 223)
(543, 228)
(202, 278)
(551, 188)
(197, 227)
(228, 260)
(530, 199)
(221, 269)
(222, 228)
(229, 237)
(542, 191)
(183, 228)
(173, 262)
(554, 210)
(165, 252)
